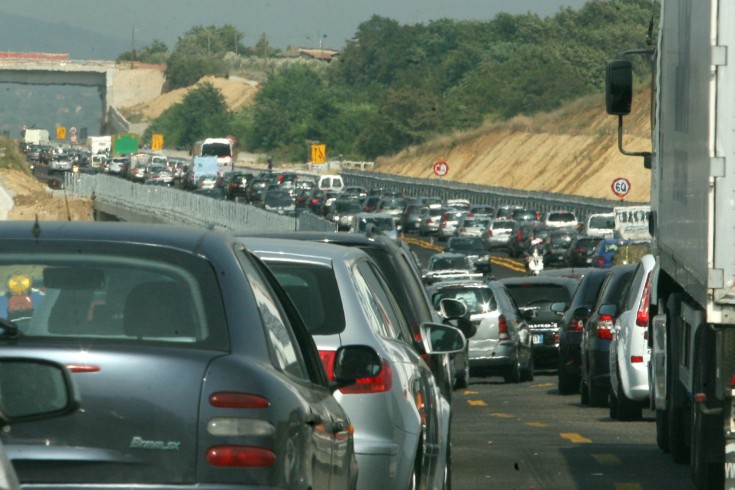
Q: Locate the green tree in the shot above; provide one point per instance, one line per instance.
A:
(156, 53)
(202, 113)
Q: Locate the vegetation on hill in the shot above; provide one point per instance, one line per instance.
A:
(396, 85)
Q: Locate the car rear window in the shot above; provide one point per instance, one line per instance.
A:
(526, 293)
(477, 300)
(174, 298)
(311, 288)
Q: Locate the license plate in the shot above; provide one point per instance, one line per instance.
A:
(538, 339)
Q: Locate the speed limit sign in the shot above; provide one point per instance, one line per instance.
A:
(441, 168)
(621, 187)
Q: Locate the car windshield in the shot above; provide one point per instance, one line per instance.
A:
(446, 263)
(382, 223)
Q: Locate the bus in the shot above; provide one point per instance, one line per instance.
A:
(222, 148)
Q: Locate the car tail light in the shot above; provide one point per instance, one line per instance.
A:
(577, 325)
(315, 201)
(519, 236)
(83, 368)
(503, 328)
(556, 338)
(229, 399)
(327, 357)
(463, 230)
(604, 327)
(374, 384)
(641, 318)
(635, 359)
(489, 232)
(233, 186)
(241, 456)
(580, 250)
(601, 260)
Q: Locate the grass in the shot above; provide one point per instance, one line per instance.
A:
(11, 157)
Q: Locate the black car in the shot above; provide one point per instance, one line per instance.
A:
(535, 296)
(169, 332)
(571, 327)
(474, 248)
(597, 335)
(556, 246)
(255, 190)
(580, 251)
(235, 185)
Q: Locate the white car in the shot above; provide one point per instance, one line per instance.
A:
(629, 351)
(561, 219)
(600, 225)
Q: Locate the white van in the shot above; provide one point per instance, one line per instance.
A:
(331, 182)
(601, 224)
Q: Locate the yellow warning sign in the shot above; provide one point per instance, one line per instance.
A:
(318, 153)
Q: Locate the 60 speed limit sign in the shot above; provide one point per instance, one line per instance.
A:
(621, 187)
(441, 168)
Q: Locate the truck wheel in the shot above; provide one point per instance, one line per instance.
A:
(707, 441)
(676, 411)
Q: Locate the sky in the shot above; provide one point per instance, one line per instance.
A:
(285, 22)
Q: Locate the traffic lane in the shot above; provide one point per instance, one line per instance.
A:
(527, 436)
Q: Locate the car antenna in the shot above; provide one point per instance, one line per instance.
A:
(36, 228)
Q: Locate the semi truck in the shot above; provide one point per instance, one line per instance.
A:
(691, 330)
(99, 144)
(36, 136)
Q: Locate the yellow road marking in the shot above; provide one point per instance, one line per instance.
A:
(575, 437)
(502, 415)
(537, 424)
(468, 392)
(477, 403)
(628, 486)
(607, 459)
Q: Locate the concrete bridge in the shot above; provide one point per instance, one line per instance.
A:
(120, 85)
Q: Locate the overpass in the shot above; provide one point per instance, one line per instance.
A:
(119, 84)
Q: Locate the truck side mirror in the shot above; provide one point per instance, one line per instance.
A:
(619, 87)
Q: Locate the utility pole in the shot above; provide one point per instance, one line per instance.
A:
(132, 51)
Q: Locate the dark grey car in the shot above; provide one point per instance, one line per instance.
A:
(193, 367)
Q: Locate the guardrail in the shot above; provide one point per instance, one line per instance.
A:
(169, 205)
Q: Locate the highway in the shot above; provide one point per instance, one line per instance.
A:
(528, 436)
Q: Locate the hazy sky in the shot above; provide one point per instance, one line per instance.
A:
(285, 22)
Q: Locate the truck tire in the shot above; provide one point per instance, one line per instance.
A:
(707, 441)
(676, 406)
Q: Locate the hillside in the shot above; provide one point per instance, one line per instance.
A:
(570, 151)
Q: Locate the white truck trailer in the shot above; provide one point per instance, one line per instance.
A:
(692, 298)
(36, 136)
(99, 144)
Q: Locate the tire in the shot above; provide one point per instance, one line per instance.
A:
(584, 393)
(567, 383)
(625, 408)
(463, 380)
(676, 411)
(597, 395)
(527, 372)
(613, 405)
(662, 430)
(707, 440)
(514, 373)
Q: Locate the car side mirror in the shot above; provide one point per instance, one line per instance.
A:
(558, 308)
(582, 312)
(619, 87)
(442, 339)
(34, 389)
(352, 362)
(451, 308)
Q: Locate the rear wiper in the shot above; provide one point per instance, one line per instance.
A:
(9, 328)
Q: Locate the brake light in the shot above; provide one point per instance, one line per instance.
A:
(635, 359)
(327, 357)
(315, 201)
(241, 456)
(641, 318)
(577, 324)
(601, 260)
(503, 328)
(375, 384)
(604, 327)
(519, 236)
(83, 368)
(228, 399)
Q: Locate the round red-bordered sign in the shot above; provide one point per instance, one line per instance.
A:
(620, 187)
(441, 168)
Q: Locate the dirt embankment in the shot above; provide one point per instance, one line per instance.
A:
(570, 151)
(32, 200)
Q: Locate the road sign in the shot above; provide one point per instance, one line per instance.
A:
(157, 142)
(60, 133)
(441, 168)
(620, 187)
(318, 153)
(73, 135)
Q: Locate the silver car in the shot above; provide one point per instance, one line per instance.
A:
(399, 414)
(193, 367)
(501, 344)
